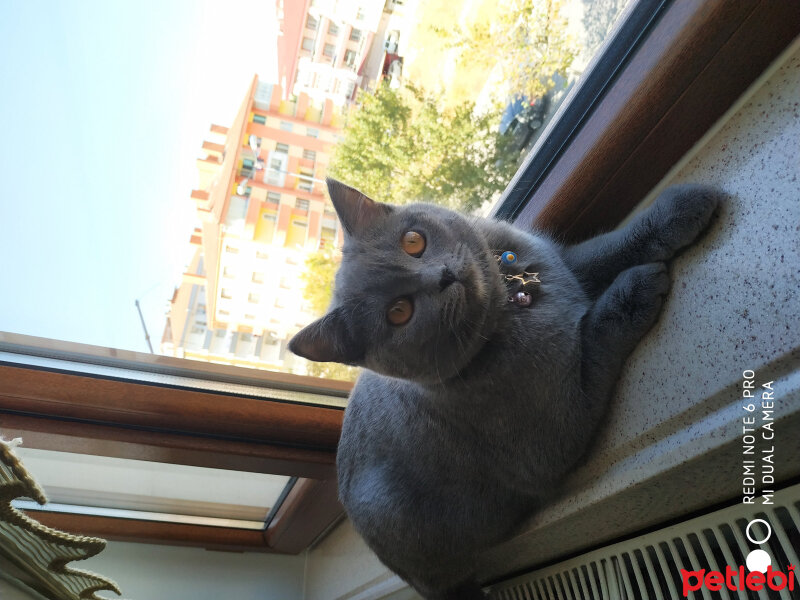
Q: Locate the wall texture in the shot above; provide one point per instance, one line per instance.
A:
(145, 571)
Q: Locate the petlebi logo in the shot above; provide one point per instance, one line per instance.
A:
(758, 477)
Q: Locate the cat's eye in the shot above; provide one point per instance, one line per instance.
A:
(400, 311)
(413, 243)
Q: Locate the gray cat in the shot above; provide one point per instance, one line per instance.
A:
(490, 354)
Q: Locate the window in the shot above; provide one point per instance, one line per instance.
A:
(311, 132)
(282, 148)
(253, 298)
(286, 283)
(308, 43)
(311, 23)
(274, 197)
(227, 272)
(360, 16)
(226, 294)
(350, 58)
(286, 126)
(328, 50)
(260, 254)
(309, 155)
(250, 318)
(220, 333)
(333, 29)
(301, 204)
(258, 277)
(260, 119)
(224, 313)
(231, 249)
(355, 35)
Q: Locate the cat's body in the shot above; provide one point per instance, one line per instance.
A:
(473, 410)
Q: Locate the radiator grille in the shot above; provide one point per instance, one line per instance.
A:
(648, 567)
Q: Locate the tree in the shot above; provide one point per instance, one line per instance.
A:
(529, 40)
(318, 281)
(400, 146)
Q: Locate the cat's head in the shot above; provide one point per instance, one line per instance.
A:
(414, 295)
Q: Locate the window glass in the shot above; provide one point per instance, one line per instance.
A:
(487, 77)
(125, 488)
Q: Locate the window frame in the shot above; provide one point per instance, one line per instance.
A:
(68, 411)
(679, 73)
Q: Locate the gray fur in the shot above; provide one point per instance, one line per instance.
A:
(467, 418)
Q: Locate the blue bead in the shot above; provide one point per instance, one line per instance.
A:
(508, 258)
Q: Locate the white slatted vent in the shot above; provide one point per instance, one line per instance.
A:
(648, 567)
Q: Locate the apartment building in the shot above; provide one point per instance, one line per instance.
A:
(326, 48)
(262, 209)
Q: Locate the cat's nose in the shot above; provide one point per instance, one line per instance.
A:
(447, 278)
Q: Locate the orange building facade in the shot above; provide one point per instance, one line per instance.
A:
(263, 209)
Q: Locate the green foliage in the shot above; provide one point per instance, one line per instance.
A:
(400, 146)
(528, 40)
(330, 370)
(318, 281)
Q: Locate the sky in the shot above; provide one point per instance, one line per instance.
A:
(104, 109)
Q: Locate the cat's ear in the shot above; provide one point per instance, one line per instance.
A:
(356, 212)
(329, 339)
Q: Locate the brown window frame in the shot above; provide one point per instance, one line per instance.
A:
(688, 68)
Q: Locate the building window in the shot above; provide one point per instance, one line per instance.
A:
(328, 50)
(308, 43)
(274, 197)
(360, 14)
(279, 303)
(198, 329)
(220, 333)
(245, 337)
(311, 23)
(227, 272)
(355, 35)
(224, 313)
(282, 148)
(231, 250)
(258, 277)
(350, 58)
(302, 204)
(333, 29)
(309, 155)
(260, 119)
(260, 254)
(253, 298)
(286, 283)
(314, 133)
(226, 294)
(286, 126)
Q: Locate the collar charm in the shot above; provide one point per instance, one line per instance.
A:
(508, 258)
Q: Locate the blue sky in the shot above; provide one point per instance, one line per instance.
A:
(104, 108)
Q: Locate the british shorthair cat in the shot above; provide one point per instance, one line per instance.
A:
(489, 355)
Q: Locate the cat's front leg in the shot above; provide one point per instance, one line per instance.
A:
(616, 323)
(673, 222)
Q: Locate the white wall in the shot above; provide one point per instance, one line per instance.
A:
(150, 572)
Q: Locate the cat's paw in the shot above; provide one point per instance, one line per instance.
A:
(638, 294)
(680, 214)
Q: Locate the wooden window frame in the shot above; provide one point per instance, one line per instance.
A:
(684, 69)
(68, 411)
